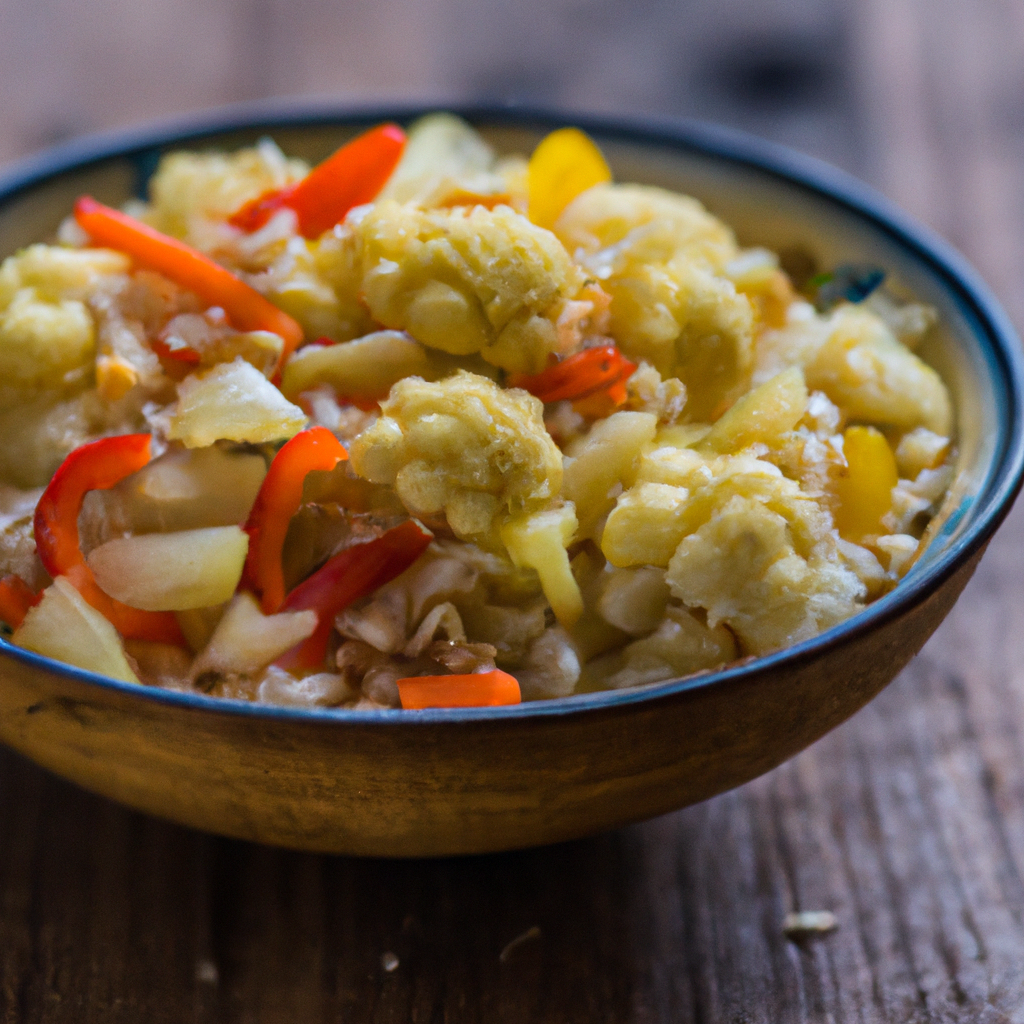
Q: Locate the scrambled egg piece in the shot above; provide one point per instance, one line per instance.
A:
(464, 447)
(859, 363)
(661, 257)
(739, 540)
(470, 280)
(47, 332)
(191, 194)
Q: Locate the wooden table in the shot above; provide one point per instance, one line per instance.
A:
(907, 822)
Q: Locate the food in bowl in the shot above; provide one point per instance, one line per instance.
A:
(423, 426)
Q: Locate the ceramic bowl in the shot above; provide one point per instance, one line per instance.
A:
(395, 783)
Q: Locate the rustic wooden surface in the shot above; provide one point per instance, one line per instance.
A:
(907, 822)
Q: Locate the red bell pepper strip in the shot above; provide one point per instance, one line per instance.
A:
(278, 500)
(215, 285)
(353, 175)
(16, 597)
(475, 690)
(350, 575)
(580, 375)
(95, 466)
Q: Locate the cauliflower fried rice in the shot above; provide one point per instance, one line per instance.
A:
(607, 448)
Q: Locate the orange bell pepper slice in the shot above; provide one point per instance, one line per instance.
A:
(245, 307)
(350, 575)
(278, 500)
(475, 690)
(580, 375)
(351, 176)
(95, 466)
(16, 597)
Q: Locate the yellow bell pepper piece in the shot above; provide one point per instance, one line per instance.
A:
(564, 164)
(865, 492)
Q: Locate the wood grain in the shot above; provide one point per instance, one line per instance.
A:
(907, 822)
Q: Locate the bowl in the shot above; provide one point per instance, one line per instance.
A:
(440, 782)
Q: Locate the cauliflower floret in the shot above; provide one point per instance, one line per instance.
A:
(69, 319)
(646, 525)
(744, 568)
(689, 323)
(661, 257)
(866, 371)
(190, 192)
(739, 540)
(857, 361)
(677, 490)
(614, 225)
(464, 447)
(44, 341)
(47, 333)
(318, 283)
(469, 280)
(57, 273)
(444, 158)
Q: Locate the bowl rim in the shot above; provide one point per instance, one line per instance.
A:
(997, 338)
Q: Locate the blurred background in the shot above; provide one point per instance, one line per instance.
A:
(790, 69)
(922, 98)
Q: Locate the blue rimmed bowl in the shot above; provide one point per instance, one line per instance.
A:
(394, 783)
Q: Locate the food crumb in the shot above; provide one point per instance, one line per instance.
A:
(519, 940)
(809, 922)
(389, 961)
(207, 973)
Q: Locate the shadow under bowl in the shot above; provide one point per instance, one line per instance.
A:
(429, 783)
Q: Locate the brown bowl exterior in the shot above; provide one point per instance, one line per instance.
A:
(430, 788)
(439, 783)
